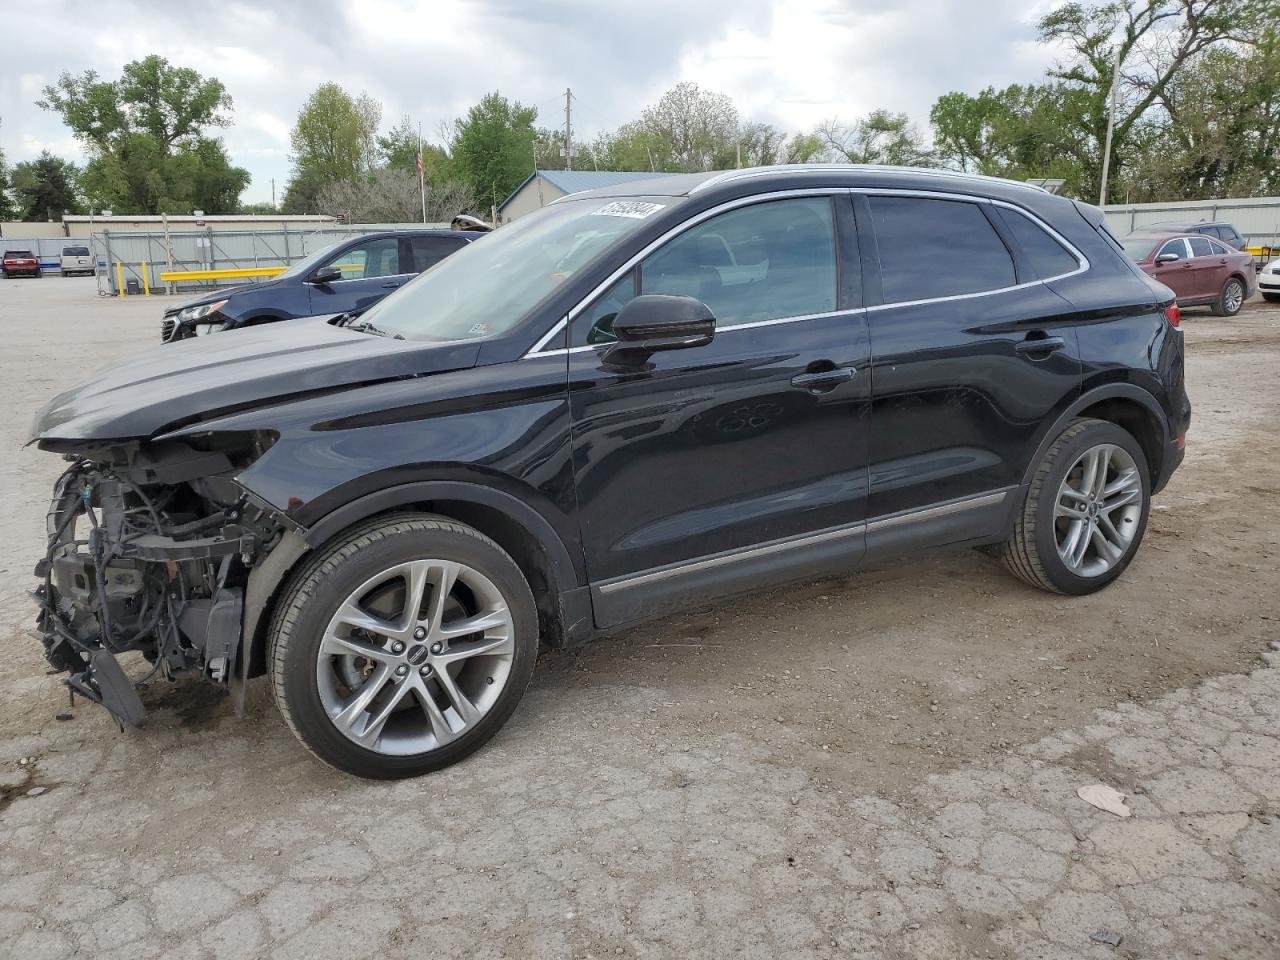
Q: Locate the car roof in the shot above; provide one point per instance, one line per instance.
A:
(785, 176)
(1185, 226)
(424, 232)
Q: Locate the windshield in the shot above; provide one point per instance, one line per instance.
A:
(1139, 248)
(486, 288)
(309, 263)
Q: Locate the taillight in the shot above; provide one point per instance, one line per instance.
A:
(1173, 315)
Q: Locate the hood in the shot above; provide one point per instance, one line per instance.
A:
(179, 383)
(220, 293)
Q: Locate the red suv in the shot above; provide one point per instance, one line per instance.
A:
(19, 261)
(1199, 269)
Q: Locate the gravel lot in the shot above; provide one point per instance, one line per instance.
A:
(883, 765)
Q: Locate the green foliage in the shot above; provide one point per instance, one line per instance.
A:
(334, 140)
(493, 147)
(879, 137)
(45, 188)
(145, 135)
(8, 211)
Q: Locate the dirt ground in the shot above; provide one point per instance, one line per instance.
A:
(771, 774)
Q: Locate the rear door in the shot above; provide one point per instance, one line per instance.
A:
(1209, 268)
(428, 251)
(370, 270)
(971, 355)
(742, 461)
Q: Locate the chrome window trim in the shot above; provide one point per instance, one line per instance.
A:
(559, 326)
(710, 562)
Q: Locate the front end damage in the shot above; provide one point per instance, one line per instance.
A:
(150, 550)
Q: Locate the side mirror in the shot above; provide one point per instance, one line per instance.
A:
(1168, 258)
(655, 322)
(325, 275)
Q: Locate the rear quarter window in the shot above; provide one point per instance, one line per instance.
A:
(1046, 256)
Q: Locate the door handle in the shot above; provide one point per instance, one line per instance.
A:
(392, 284)
(1045, 345)
(823, 379)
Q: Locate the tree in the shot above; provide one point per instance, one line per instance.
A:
(695, 129)
(146, 137)
(1220, 130)
(492, 147)
(334, 139)
(760, 144)
(1153, 40)
(45, 188)
(7, 209)
(880, 137)
(391, 195)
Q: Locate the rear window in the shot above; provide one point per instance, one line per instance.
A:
(17, 253)
(937, 248)
(1046, 256)
(75, 251)
(1139, 248)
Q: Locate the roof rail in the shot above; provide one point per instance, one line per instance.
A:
(730, 175)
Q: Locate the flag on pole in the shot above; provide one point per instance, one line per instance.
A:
(421, 168)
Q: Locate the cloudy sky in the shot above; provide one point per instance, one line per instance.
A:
(789, 62)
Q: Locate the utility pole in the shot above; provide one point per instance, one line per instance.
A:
(1111, 123)
(422, 174)
(273, 194)
(568, 129)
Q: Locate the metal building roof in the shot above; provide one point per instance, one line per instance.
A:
(575, 181)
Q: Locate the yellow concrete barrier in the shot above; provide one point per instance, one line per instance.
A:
(232, 274)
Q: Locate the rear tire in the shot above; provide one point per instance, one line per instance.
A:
(1085, 512)
(1231, 298)
(374, 686)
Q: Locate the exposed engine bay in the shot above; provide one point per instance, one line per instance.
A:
(149, 550)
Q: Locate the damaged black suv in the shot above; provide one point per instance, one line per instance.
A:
(629, 401)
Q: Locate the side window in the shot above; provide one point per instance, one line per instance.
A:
(1174, 248)
(1047, 257)
(1220, 249)
(1232, 236)
(428, 251)
(937, 248)
(365, 261)
(1201, 247)
(764, 262)
(595, 324)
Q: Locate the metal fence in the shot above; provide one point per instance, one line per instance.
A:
(143, 257)
(1257, 218)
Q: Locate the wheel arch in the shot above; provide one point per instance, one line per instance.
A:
(563, 602)
(1123, 404)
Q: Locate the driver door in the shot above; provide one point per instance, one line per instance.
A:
(370, 270)
(742, 462)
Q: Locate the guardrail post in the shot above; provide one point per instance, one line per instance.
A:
(119, 279)
(146, 284)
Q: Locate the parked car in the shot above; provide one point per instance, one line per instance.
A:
(16, 262)
(1269, 281)
(346, 277)
(1218, 229)
(76, 260)
(582, 422)
(1198, 269)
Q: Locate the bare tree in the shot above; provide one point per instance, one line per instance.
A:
(390, 195)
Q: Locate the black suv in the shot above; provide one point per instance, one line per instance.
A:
(631, 400)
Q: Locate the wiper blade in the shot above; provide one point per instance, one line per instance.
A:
(368, 327)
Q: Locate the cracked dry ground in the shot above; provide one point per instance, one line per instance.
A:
(879, 766)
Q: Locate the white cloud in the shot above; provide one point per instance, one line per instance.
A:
(791, 62)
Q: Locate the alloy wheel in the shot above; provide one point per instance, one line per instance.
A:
(1098, 509)
(1233, 296)
(415, 656)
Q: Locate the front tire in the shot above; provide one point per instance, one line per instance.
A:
(1085, 512)
(1231, 298)
(403, 646)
